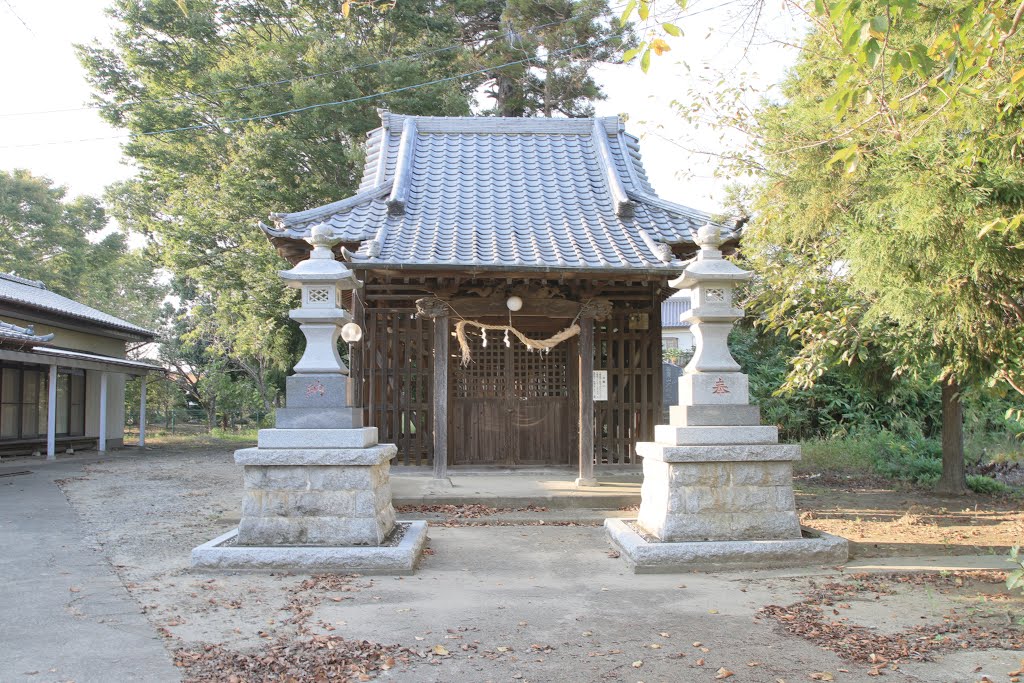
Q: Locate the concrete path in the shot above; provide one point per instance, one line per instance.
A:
(64, 614)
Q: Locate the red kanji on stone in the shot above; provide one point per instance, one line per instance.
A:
(720, 387)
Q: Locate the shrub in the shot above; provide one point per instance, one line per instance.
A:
(988, 486)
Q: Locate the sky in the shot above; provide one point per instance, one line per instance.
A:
(42, 74)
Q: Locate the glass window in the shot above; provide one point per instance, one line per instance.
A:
(30, 403)
(77, 412)
(44, 397)
(669, 343)
(63, 392)
(10, 403)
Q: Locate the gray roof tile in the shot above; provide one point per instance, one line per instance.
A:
(9, 332)
(502, 193)
(34, 294)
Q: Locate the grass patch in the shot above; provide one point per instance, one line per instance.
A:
(847, 457)
(916, 461)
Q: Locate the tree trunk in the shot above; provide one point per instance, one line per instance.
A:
(954, 479)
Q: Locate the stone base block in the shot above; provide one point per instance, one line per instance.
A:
(714, 388)
(700, 501)
(315, 505)
(327, 390)
(359, 437)
(314, 418)
(223, 554)
(810, 548)
(715, 436)
(714, 416)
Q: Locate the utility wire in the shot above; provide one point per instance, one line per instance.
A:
(283, 81)
(18, 17)
(225, 122)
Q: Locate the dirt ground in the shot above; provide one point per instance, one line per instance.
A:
(882, 522)
(545, 603)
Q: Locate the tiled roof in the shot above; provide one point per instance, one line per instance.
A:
(34, 294)
(11, 333)
(501, 193)
(672, 308)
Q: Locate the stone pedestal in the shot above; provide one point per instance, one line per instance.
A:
(718, 487)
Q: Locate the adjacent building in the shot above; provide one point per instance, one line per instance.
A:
(63, 368)
(675, 333)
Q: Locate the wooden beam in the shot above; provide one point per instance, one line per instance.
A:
(469, 307)
(441, 336)
(586, 417)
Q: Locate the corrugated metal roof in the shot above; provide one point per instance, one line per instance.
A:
(33, 293)
(672, 309)
(507, 193)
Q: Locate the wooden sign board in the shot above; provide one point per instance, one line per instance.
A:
(600, 385)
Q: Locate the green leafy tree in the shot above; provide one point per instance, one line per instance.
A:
(562, 41)
(211, 69)
(889, 216)
(889, 224)
(60, 241)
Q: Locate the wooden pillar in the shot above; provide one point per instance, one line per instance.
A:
(142, 412)
(51, 415)
(101, 444)
(441, 337)
(586, 403)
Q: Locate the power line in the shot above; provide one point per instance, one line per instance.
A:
(226, 122)
(283, 81)
(16, 16)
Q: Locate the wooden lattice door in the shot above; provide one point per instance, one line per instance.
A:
(511, 406)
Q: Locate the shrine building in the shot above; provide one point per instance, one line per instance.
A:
(477, 238)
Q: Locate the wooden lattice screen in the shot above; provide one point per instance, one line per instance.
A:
(396, 371)
(395, 367)
(632, 358)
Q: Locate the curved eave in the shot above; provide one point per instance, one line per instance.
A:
(297, 224)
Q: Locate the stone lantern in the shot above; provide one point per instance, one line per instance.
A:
(321, 279)
(317, 486)
(718, 487)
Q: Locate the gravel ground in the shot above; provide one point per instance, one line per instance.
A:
(489, 603)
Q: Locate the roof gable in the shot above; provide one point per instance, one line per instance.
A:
(500, 193)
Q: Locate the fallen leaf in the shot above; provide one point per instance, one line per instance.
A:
(753, 663)
(822, 676)
(665, 634)
(440, 650)
(75, 589)
(698, 644)
(700, 662)
(638, 663)
(724, 673)
(654, 646)
(712, 611)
